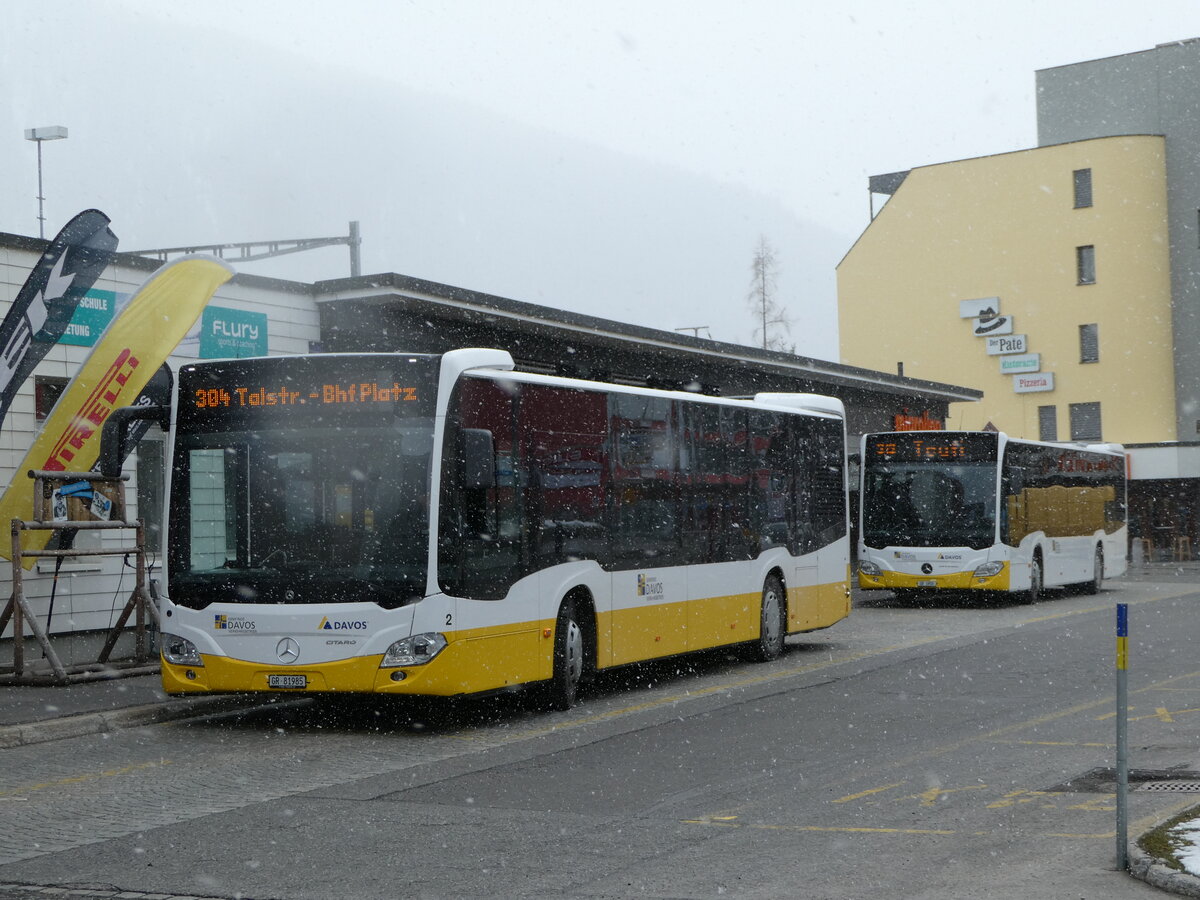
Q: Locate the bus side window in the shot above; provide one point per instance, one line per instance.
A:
(563, 452)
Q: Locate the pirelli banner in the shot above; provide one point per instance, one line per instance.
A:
(126, 356)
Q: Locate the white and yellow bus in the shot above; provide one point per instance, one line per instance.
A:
(979, 511)
(442, 524)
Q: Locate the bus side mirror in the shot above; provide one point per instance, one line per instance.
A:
(118, 434)
(479, 459)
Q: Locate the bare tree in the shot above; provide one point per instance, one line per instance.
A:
(773, 325)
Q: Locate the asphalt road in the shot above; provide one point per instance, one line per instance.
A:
(907, 752)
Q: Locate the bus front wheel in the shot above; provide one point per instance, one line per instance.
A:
(1034, 591)
(563, 689)
(769, 645)
(1093, 586)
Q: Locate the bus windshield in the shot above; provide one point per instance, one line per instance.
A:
(917, 505)
(321, 504)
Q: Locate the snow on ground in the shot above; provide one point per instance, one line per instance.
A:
(1188, 834)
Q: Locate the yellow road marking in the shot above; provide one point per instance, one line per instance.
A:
(861, 794)
(931, 796)
(825, 828)
(1096, 804)
(1015, 798)
(845, 829)
(80, 779)
(1160, 712)
(1107, 835)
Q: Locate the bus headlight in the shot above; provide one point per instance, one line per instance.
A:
(869, 568)
(414, 651)
(987, 570)
(180, 651)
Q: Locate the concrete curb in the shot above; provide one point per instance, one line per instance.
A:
(114, 720)
(1154, 871)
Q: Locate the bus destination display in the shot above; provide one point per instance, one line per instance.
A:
(221, 393)
(360, 393)
(914, 448)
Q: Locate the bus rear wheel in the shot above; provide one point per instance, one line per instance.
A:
(769, 645)
(563, 690)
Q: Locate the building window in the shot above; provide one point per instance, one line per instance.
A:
(1085, 421)
(1047, 423)
(46, 391)
(1083, 188)
(1085, 264)
(1089, 343)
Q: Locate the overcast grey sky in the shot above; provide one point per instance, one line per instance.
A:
(617, 159)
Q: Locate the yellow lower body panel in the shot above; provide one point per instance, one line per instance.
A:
(482, 662)
(488, 659)
(954, 581)
(671, 628)
(819, 606)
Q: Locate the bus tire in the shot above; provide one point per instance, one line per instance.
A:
(769, 644)
(563, 689)
(1034, 592)
(1093, 586)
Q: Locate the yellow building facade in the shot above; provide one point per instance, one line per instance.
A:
(1065, 246)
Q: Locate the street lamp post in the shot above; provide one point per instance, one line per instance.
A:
(37, 135)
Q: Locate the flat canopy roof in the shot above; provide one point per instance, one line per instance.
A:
(402, 301)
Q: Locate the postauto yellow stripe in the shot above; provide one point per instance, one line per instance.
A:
(484, 659)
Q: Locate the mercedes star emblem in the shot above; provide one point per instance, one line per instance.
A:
(287, 650)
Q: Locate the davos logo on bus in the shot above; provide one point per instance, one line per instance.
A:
(232, 623)
(649, 586)
(328, 624)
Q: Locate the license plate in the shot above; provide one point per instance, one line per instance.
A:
(927, 582)
(287, 681)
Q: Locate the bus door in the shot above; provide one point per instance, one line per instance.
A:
(718, 525)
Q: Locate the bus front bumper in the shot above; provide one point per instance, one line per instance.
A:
(888, 580)
(222, 674)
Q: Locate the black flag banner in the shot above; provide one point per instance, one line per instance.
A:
(39, 315)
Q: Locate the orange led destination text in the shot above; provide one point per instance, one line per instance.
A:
(923, 450)
(360, 392)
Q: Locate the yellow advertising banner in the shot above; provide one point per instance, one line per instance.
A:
(135, 344)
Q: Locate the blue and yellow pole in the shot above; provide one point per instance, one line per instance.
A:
(1122, 736)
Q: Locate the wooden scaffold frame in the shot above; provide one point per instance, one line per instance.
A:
(140, 605)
